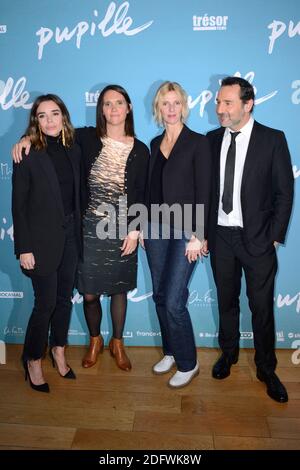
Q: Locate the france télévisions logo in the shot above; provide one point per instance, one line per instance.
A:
(210, 23)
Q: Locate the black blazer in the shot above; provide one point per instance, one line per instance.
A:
(37, 208)
(266, 190)
(135, 171)
(186, 177)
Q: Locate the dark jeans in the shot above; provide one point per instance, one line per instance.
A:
(228, 259)
(52, 303)
(171, 272)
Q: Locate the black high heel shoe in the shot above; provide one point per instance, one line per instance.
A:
(39, 388)
(69, 375)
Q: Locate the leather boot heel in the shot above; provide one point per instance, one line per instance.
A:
(117, 351)
(96, 347)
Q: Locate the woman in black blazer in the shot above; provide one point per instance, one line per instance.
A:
(179, 175)
(47, 232)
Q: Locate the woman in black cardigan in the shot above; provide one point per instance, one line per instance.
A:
(47, 232)
(115, 165)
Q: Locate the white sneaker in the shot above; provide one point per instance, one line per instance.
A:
(164, 365)
(181, 379)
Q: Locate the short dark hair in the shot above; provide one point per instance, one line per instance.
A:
(100, 119)
(246, 89)
(37, 138)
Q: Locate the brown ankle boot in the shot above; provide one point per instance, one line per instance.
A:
(96, 347)
(117, 351)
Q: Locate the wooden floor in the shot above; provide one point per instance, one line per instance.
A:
(106, 408)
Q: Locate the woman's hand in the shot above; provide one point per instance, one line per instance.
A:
(193, 249)
(130, 243)
(27, 260)
(141, 240)
(17, 149)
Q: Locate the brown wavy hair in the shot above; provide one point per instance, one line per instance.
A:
(38, 141)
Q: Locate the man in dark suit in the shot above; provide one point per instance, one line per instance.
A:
(250, 210)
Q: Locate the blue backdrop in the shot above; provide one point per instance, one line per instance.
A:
(75, 47)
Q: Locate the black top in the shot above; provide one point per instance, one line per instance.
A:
(187, 176)
(156, 190)
(63, 169)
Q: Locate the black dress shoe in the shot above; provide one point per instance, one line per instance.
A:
(221, 369)
(275, 389)
(68, 375)
(38, 388)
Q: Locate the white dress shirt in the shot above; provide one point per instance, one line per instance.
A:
(235, 217)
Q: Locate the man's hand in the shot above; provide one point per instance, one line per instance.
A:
(193, 249)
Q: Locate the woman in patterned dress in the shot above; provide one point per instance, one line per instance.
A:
(115, 165)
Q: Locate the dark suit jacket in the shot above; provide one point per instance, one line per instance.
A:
(187, 175)
(135, 171)
(266, 190)
(37, 208)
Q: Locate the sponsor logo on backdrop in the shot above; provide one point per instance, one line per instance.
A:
(3, 28)
(208, 335)
(6, 230)
(210, 23)
(296, 94)
(14, 94)
(14, 331)
(293, 335)
(74, 332)
(278, 28)
(5, 171)
(115, 20)
(91, 98)
(280, 336)
(207, 95)
(11, 295)
(287, 301)
(2, 352)
(148, 333)
(246, 335)
(295, 358)
(128, 334)
(203, 300)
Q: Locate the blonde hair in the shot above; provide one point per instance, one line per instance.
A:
(162, 90)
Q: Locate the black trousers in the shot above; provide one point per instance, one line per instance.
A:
(52, 303)
(228, 259)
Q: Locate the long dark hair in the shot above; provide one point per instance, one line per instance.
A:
(100, 119)
(33, 131)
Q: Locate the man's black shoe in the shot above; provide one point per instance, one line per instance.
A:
(275, 389)
(221, 369)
